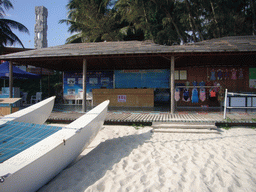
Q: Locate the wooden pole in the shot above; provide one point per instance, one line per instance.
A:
(225, 103)
(10, 79)
(84, 86)
(172, 104)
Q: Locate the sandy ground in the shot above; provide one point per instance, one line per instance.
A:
(122, 158)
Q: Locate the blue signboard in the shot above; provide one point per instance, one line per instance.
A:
(142, 78)
(73, 82)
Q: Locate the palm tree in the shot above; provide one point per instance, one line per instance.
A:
(90, 20)
(7, 37)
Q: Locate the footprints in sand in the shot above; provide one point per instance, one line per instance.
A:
(173, 162)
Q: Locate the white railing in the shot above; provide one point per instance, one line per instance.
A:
(231, 94)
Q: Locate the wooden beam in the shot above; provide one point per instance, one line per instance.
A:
(84, 86)
(10, 78)
(172, 102)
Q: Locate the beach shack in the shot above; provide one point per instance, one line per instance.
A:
(143, 74)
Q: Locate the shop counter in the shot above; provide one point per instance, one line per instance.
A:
(124, 97)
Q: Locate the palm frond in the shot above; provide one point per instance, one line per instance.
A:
(14, 25)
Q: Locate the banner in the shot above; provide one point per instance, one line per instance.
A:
(142, 78)
(73, 82)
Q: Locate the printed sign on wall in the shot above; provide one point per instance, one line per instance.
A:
(121, 98)
(73, 82)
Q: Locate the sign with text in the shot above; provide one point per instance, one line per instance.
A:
(121, 98)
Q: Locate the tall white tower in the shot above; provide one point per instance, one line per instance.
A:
(41, 27)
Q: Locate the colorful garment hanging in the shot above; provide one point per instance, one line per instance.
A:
(186, 95)
(202, 84)
(212, 78)
(212, 95)
(233, 74)
(240, 74)
(177, 94)
(194, 83)
(219, 74)
(226, 74)
(195, 98)
(202, 94)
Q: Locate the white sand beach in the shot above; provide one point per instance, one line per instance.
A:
(122, 158)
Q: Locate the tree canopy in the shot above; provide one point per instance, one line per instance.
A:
(162, 21)
(7, 37)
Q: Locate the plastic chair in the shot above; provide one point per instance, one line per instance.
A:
(79, 97)
(36, 98)
(89, 98)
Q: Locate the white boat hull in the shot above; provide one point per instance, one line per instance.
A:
(37, 113)
(32, 168)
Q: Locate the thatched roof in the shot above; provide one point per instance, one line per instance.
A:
(115, 55)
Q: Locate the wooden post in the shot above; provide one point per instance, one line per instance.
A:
(10, 79)
(172, 104)
(84, 86)
(225, 103)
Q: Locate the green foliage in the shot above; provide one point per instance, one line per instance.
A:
(225, 126)
(165, 22)
(7, 37)
(137, 126)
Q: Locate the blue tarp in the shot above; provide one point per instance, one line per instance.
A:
(17, 73)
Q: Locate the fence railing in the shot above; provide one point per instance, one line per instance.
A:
(245, 99)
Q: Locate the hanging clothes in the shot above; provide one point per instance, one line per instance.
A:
(212, 78)
(219, 74)
(194, 83)
(226, 74)
(195, 98)
(233, 74)
(212, 95)
(186, 95)
(187, 83)
(240, 74)
(202, 94)
(202, 84)
(177, 94)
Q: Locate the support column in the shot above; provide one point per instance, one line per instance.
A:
(172, 103)
(84, 86)
(10, 79)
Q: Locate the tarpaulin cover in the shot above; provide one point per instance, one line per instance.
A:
(17, 73)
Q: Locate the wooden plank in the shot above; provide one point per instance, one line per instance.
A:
(9, 100)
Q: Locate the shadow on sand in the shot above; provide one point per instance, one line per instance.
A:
(93, 166)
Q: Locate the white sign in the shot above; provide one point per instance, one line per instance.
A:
(121, 98)
(71, 81)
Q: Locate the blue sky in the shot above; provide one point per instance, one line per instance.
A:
(24, 12)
